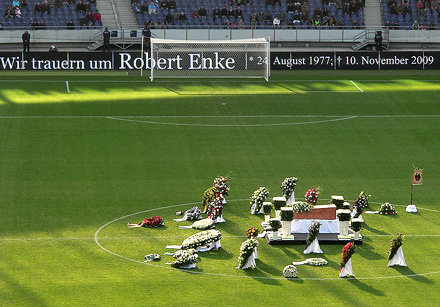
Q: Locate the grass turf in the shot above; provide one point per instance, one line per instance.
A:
(72, 162)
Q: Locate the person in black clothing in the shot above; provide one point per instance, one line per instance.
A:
(70, 25)
(378, 41)
(26, 37)
(146, 33)
(106, 36)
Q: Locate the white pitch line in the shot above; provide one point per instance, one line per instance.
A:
(67, 86)
(356, 86)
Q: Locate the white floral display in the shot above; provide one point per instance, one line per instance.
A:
(288, 185)
(203, 224)
(185, 258)
(290, 271)
(246, 250)
(257, 199)
(300, 206)
(202, 238)
(316, 261)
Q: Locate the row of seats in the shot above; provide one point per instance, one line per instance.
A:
(411, 17)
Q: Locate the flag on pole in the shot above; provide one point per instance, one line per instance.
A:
(417, 177)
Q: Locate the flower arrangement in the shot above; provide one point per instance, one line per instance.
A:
(313, 232)
(202, 238)
(395, 244)
(316, 261)
(216, 208)
(290, 271)
(208, 197)
(275, 224)
(288, 185)
(300, 206)
(154, 221)
(279, 202)
(356, 225)
(286, 214)
(361, 203)
(221, 188)
(193, 214)
(387, 209)
(344, 215)
(252, 232)
(267, 208)
(348, 251)
(311, 196)
(203, 224)
(246, 250)
(184, 258)
(257, 198)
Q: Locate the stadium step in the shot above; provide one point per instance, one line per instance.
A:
(372, 14)
(108, 14)
(126, 15)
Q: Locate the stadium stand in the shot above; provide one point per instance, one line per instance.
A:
(410, 14)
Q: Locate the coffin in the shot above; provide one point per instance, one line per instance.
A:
(318, 212)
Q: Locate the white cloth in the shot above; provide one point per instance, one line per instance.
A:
(291, 198)
(327, 226)
(217, 245)
(354, 212)
(220, 219)
(313, 248)
(184, 218)
(347, 270)
(190, 266)
(398, 258)
(249, 263)
(278, 214)
(411, 208)
(255, 253)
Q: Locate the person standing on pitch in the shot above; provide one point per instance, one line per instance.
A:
(26, 37)
(106, 36)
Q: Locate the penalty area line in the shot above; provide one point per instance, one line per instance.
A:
(356, 85)
(67, 86)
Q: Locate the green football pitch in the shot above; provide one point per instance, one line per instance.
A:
(82, 155)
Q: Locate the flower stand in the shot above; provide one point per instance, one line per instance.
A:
(343, 228)
(398, 258)
(347, 270)
(291, 198)
(313, 248)
(250, 262)
(278, 214)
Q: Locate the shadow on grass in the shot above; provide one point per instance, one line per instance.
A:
(427, 219)
(367, 251)
(364, 287)
(258, 274)
(218, 254)
(405, 271)
(373, 230)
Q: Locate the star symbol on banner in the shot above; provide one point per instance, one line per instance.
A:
(251, 58)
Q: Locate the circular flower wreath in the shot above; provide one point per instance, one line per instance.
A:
(290, 271)
(316, 261)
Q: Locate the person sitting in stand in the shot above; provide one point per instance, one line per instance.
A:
(89, 17)
(87, 6)
(182, 17)
(261, 18)
(15, 3)
(23, 3)
(195, 14)
(9, 13)
(80, 8)
(231, 12)
(45, 8)
(144, 8)
(269, 19)
(241, 25)
(164, 5)
(17, 12)
(202, 12)
(238, 13)
(1, 25)
(152, 8)
(83, 21)
(34, 25)
(355, 24)
(224, 11)
(172, 5)
(276, 21)
(70, 25)
(58, 4)
(216, 12)
(41, 25)
(169, 18)
(97, 17)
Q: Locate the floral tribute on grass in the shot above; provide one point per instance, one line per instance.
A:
(316, 261)
(208, 197)
(257, 199)
(348, 251)
(154, 221)
(216, 209)
(252, 232)
(361, 203)
(396, 243)
(387, 209)
(202, 238)
(290, 271)
(185, 258)
(247, 249)
(288, 185)
(300, 206)
(203, 224)
(193, 214)
(313, 232)
(221, 186)
(311, 196)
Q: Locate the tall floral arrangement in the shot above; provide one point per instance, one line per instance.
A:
(387, 209)
(313, 232)
(252, 232)
(396, 243)
(348, 251)
(361, 203)
(288, 185)
(208, 197)
(216, 208)
(311, 196)
(246, 250)
(257, 199)
(221, 186)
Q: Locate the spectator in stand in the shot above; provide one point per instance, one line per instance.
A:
(325, 12)
(202, 12)
(226, 24)
(58, 4)
(268, 2)
(80, 8)
(261, 18)
(1, 25)
(393, 9)
(152, 8)
(304, 17)
(216, 12)
(83, 21)
(45, 8)
(195, 14)
(224, 11)
(41, 25)
(144, 8)
(9, 13)
(34, 25)
(234, 24)
(419, 5)
(182, 18)
(97, 17)
(276, 21)
(415, 25)
(269, 19)
(15, 3)
(241, 25)
(238, 13)
(421, 14)
(290, 7)
(400, 9)
(283, 18)
(296, 18)
(17, 12)
(305, 7)
(254, 17)
(87, 7)
(317, 13)
(169, 18)
(353, 7)
(231, 12)
(346, 8)
(331, 22)
(164, 5)
(355, 24)
(70, 25)
(434, 5)
(23, 3)
(407, 9)
(90, 19)
(172, 5)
